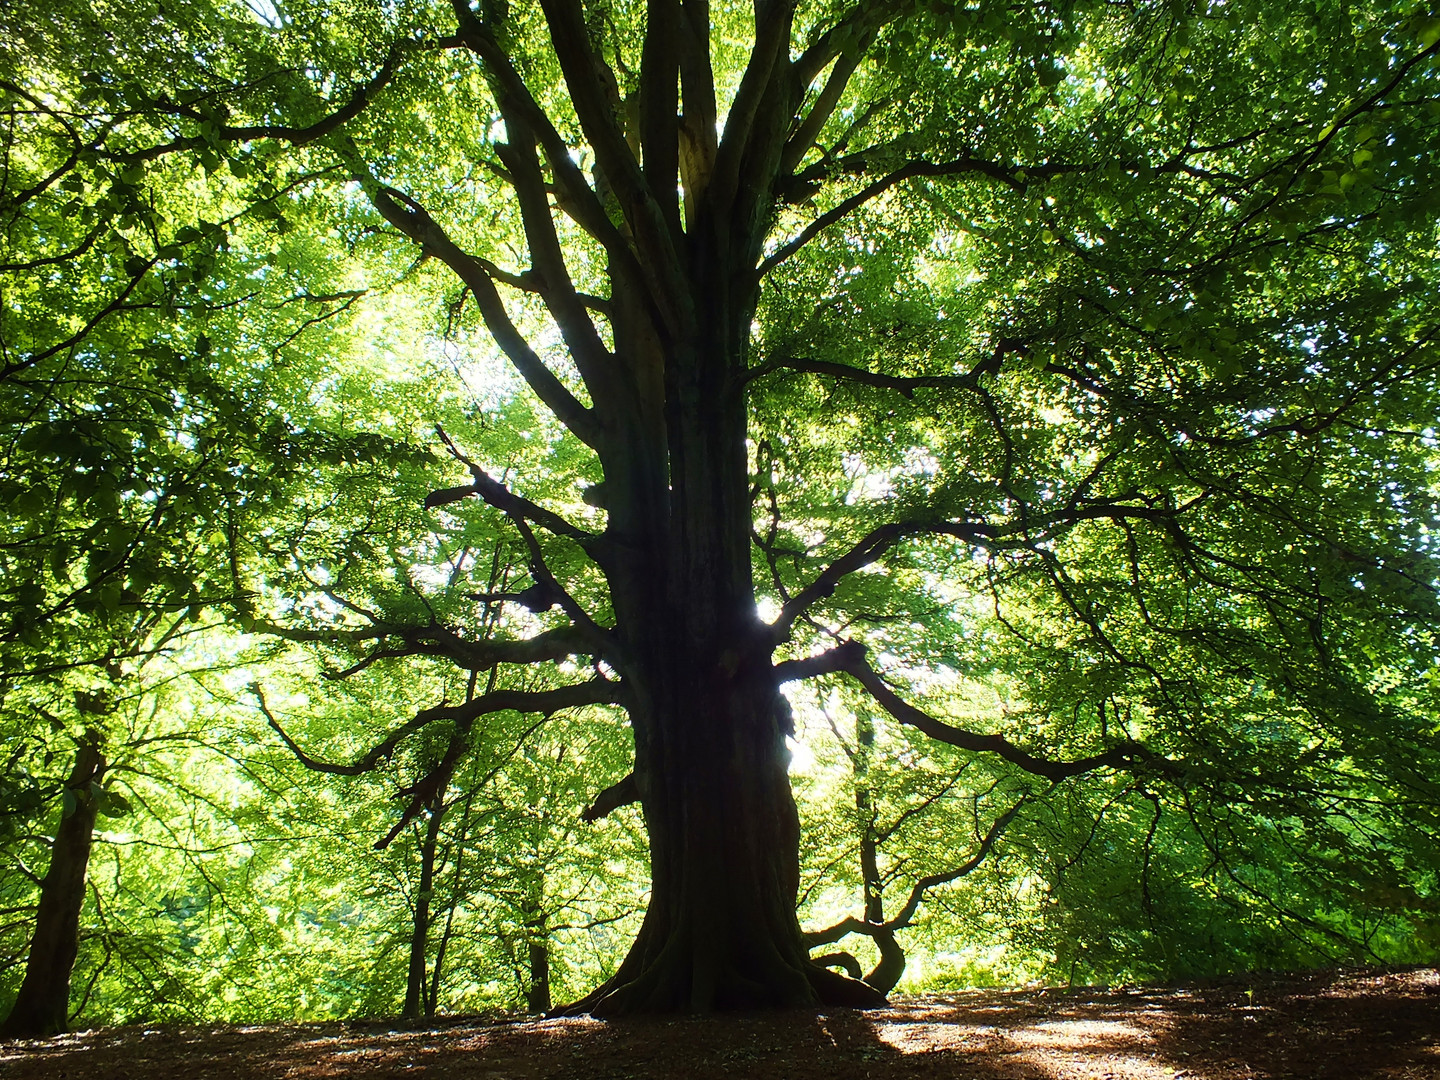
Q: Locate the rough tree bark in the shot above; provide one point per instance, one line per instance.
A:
(42, 1005)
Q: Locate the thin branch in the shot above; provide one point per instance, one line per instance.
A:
(1018, 179)
(598, 691)
(294, 136)
(917, 893)
(114, 305)
(1026, 532)
(502, 498)
(905, 385)
(906, 916)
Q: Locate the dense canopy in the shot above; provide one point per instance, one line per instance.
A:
(1023, 413)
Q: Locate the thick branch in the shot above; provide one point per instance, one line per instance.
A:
(843, 928)
(829, 662)
(870, 548)
(659, 104)
(515, 100)
(650, 212)
(697, 86)
(809, 128)
(621, 793)
(843, 960)
(520, 512)
(550, 645)
(587, 91)
(440, 641)
(856, 25)
(536, 598)
(596, 365)
(768, 61)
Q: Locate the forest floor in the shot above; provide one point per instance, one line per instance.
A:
(1340, 1025)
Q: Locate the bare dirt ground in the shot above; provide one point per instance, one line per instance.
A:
(1345, 1026)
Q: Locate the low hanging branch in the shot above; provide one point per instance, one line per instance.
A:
(1121, 756)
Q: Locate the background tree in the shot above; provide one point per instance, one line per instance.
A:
(145, 315)
(904, 837)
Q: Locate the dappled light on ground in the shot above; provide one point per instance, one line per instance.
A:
(1361, 1026)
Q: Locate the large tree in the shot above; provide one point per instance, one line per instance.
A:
(1113, 318)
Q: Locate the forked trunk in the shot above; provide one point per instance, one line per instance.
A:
(42, 1007)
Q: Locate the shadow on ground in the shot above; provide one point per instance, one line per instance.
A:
(1349, 1026)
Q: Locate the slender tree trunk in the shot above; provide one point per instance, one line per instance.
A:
(415, 996)
(432, 1001)
(42, 1005)
(891, 965)
(533, 916)
(537, 946)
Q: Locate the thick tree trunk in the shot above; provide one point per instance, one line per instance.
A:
(720, 931)
(711, 765)
(42, 1005)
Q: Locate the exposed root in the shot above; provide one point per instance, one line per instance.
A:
(657, 990)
